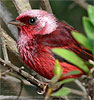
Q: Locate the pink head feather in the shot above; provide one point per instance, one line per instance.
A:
(46, 22)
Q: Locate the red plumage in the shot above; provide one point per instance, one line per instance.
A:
(39, 32)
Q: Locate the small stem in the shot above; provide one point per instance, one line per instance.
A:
(82, 88)
(5, 72)
(77, 92)
(50, 90)
(66, 98)
(22, 83)
(80, 85)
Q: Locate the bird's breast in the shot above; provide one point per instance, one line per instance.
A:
(37, 57)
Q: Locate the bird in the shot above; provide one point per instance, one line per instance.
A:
(38, 33)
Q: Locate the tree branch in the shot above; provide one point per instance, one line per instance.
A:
(22, 5)
(7, 17)
(81, 3)
(4, 49)
(10, 43)
(12, 97)
(22, 73)
(45, 5)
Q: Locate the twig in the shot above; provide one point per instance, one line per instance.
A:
(77, 92)
(66, 98)
(9, 78)
(12, 97)
(4, 73)
(80, 85)
(22, 83)
(22, 5)
(10, 43)
(49, 92)
(7, 17)
(91, 62)
(9, 72)
(81, 3)
(45, 5)
(82, 88)
(22, 73)
(4, 49)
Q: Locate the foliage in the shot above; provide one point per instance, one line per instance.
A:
(83, 40)
(57, 69)
(71, 57)
(62, 92)
(88, 42)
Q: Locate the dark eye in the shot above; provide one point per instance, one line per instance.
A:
(32, 21)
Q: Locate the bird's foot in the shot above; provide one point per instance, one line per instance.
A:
(43, 91)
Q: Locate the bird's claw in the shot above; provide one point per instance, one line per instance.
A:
(44, 89)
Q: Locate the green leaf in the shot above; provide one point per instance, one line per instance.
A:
(65, 81)
(54, 79)
(72, 73)
(64, 91)
(71, 57)
(82, 39)
(89, 28)
(57, 69)
(91, 13)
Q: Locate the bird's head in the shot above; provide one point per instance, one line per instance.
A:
(35, 22)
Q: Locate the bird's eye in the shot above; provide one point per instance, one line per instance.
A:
(32, 21)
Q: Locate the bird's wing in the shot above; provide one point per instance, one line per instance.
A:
(62, 38)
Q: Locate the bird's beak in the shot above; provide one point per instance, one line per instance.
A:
(17, 23)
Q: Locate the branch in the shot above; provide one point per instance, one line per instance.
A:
(77, 92)
(4, 49)
(7, 17)
(22, 73)
(45, 5)
(81, 3)
(86, 96)
(22, 5)
(81, 86)
(10, 43)
(11, 78)
(12, 97)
